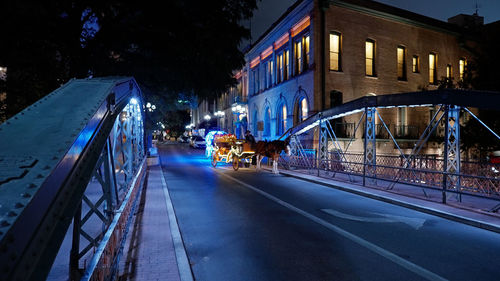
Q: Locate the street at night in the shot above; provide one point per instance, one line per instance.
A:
(249, 225)
(249, 140)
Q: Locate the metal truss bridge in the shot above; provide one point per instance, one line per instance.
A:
(74, 157)
(321, 147)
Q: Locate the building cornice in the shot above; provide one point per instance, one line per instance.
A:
(436, 25)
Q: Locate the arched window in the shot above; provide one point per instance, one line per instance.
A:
(267, 122)
(281, 120)
(255, 123)
(303, 111)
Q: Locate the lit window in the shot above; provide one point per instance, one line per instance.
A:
(279, 68)
(281, 120)
(303, 109)
(255, 123)
(416, 64)
(335, 51)
(401, 63)
(267, 122)
(461, 68)
(256, 84)
(449, 71)
(432, 68)
(305, 41)
(298, 57)
(370, 57)
(286, 69)
(269, 74)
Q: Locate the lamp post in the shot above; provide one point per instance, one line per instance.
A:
(219, 114)
(238, 110)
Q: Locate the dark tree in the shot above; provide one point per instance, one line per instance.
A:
(188, 47)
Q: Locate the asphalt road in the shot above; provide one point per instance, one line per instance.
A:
(249, 225)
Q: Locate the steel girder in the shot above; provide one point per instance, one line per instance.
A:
(65, 155)
(128, 139)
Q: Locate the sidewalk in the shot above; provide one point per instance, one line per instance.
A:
(469, 214)
(149, 253)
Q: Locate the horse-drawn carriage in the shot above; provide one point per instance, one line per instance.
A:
(228, 149)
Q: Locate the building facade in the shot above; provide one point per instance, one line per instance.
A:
(321, 54)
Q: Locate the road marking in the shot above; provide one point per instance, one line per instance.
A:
(415, 223)
(360, 241)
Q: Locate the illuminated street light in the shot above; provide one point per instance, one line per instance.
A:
(133, 101)
(148, 105)
(207, 117)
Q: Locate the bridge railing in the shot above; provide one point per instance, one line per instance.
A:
(445, 172)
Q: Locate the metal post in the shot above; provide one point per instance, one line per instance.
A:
(323, 144)
(318, 157)
(112, 167)
(108, 180)
(453, 148)
(74, 256)
(370, 159)
(445, 163)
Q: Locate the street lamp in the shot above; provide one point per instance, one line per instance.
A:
(238, 110)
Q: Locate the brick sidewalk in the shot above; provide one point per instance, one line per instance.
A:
(149, 253)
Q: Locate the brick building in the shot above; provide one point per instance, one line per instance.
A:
(320, 54)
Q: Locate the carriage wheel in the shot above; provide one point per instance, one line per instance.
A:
(214, 158)
(236, 163)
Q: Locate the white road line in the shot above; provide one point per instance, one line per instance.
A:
(360, 241)
(180, 252)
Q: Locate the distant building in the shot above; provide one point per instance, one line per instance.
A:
(367, 48)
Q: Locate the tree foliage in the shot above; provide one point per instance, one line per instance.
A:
(188, 47)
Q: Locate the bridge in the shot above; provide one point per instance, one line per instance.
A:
(76, 158)
(447, 173)
(86, 129)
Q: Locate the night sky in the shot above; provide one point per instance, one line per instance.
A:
(270, 10)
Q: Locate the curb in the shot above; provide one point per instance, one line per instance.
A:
(428, 210)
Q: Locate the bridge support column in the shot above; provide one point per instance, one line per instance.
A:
(451, 165)
(370, 154)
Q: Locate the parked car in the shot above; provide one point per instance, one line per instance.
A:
(197, 142)
(183, 139)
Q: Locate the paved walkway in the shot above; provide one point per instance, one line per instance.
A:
(149, 253)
